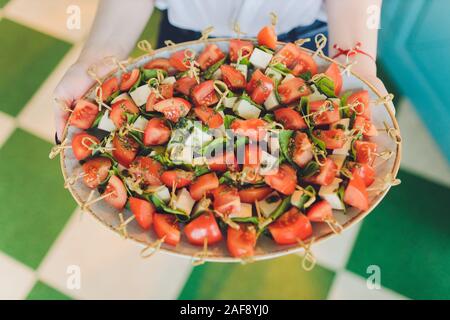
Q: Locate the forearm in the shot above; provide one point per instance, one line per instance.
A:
(350, 22)
(117, 26)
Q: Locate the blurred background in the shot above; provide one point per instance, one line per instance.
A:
(43, 234)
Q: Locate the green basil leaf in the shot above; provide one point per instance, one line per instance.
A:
(304, 198)
(253, 220)
(265, 49)
(316, 141)
(310, 169)
(305, 110)
(284, 137)
(326, 86)
(152, 73)
(281, 208)
(227, 120)
(344, 111)
(306, 75)
(161, 205)
(97, 119)
(210, 71)
(281, 68)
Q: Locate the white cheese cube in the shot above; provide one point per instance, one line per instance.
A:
(243, 69)
(260, 59)
(202, 205)
(274, 74)
(339, 160)
(140, 95)
(122, 96)
(198, 138)
(217, 75)
(106, 123)
(229, 102)
(345, 148)
(140, 123)
(169, 80)
(181, 154)
(316, 95)
(268, 163)
(246, 110)
(271, 101)
(184, 201)
(288, 77)
(269, 204)
(330, 194)
(245, 212)
(163, 193)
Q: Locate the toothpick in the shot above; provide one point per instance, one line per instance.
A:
(206, 32)
(321, 41)
(153, 247)
(145, 45)
(309, 260)
(199, 257)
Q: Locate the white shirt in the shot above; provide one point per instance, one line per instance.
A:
(252, 15)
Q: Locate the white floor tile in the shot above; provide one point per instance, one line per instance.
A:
(50, 16)
(37, 116)
(421, 153)
(349, 286)
(111, 267)
(7, 126)
(334, 253)
(16, 279)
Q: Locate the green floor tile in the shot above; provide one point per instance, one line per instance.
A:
(282, 278)
(41, 291)
(28, 57)
(150, 32)
(408, 237)
(34, 204)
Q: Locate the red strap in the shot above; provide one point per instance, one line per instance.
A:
(350, 52)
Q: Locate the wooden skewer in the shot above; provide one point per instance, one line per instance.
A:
(199, 257)
(154, 247)
(309, 260)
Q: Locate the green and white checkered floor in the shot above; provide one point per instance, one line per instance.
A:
(43, 234)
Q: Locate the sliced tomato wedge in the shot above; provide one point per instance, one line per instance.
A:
(365, 151)
(109, 86)
(333, 138)
(129, 79)
(204, 94)
(223, 162)
(259, 87)
(290, 119)
(147, 170)
(203, 185)
(284, 181)
(366, 127)
(203, 228)
(209, 56)
(166, 90)
(323, 117)
(84, 114)
(81, 143)
(355, 194)
(158, 63)
(291, 227)
(178, 178)
(156, 132)
(167, 227)
(362, 103)
(233, 78)
(96, 171)
(302, 153)
(226, 200)
(326, 174)
(143, 212)
(365, 171)
(267, 37)
(254, 129)
(304, 63)
(250, 195)
(241, 242)
(120, 109)
(184, 85)
(335, 74)
(125, 149)
(173, 109)
(251, 162)
(292, 90)
(180, 59)
(209, 116)
(118, 193)
(151, 101)
(296, 59)
(244, 46)
(320, 211)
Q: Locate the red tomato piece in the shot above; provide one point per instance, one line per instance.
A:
(209, 116)
(96, 171)
(291, 227)
(254, 129)
(118, 193)
(290, 119)
(203, 185)
(109, 86)
(296, 59)
(146, 170)
(292, 90)
(267, 37)
(233, 78)
(333, 138)
(226, 200)
(326, 174)
(365, 171)
(180, 59)
(151, 101)
(156, 132)
(302, 153)
(84, 114)
(241, 242)
(322, 117)
(173, 109)
(143, 212)
(184, 85)
(203, 228)
(81, 144)
(362, 103)
(365, 151)
(355, 194)
(259, 87)
(166, 90)
(204, 94)
(167, 227)
(304, 63)
(209, 56)
(178, 178)
(334, 73)
(284, 180)
(364, 126)
(129, 79)
(244, 46)
(320, 211)
(252, 194)
(158, 63)
(119, 110)
(125, 149)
